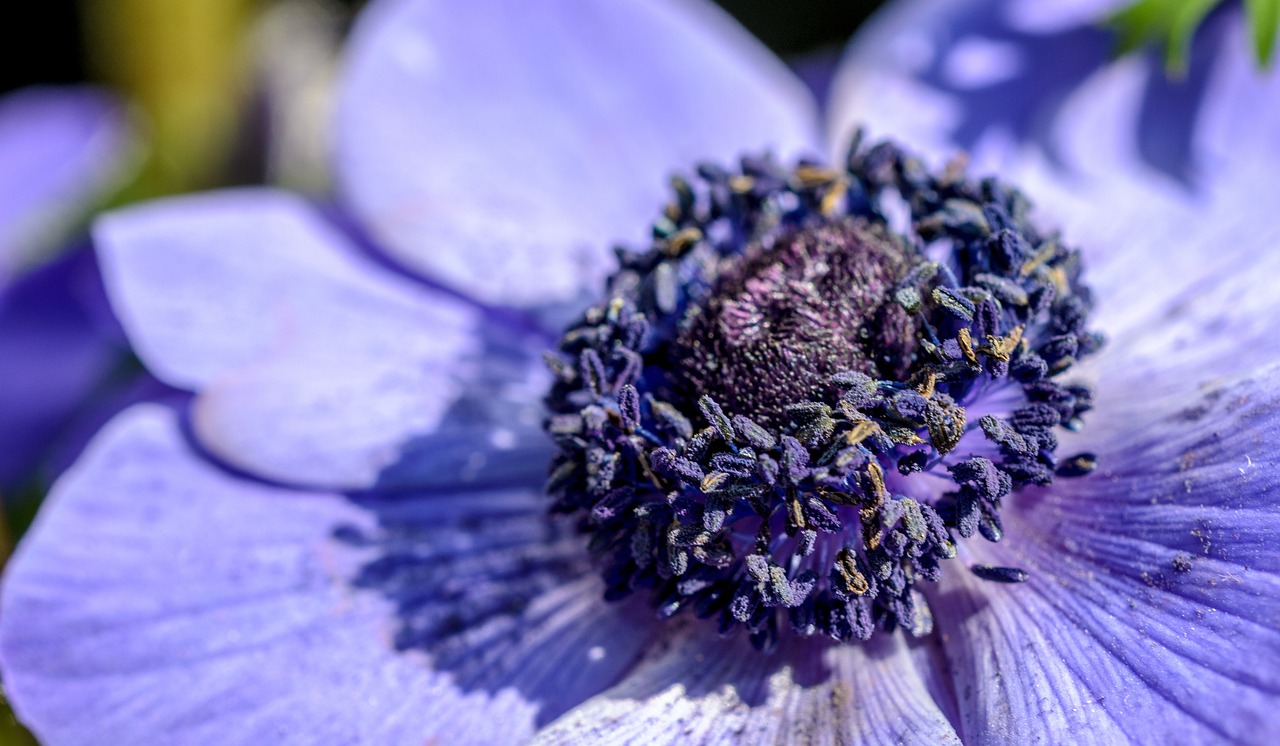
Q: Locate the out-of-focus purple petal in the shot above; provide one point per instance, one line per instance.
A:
(58, 147)
(157, 599)
(1034, 15)
(698, 689)
(505, 148)
(59, 345)
(1153, 609)
(817, 68)
(314, 365)
(134, 386)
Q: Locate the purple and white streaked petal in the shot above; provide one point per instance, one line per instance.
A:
(508, 163)
(696, 688)
(58, 148)
(1153, 609)
(250, 629)
(313, 365)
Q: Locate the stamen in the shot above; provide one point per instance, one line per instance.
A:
(754, 423)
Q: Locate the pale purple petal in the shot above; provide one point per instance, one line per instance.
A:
(313, 365)
(505, 148)
(160, 600)
(1153, 609)
(58, 147)
(698, 689)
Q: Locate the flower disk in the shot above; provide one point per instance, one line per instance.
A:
(768, 421)
(817, 303)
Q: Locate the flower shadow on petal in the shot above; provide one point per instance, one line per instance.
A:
(1015, 81)
(485, 583)
(500, 594)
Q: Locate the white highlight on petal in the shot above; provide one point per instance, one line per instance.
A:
(975, 62)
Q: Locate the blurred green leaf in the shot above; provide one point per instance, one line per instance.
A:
(11, 731)
(1169, 22)
(1173, 23)
(1264, 17)
(185, 65)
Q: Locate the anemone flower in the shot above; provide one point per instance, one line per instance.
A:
(60, 149)
(810, 480)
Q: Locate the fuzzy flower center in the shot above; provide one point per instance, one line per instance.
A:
(786, 413)
(784, 319)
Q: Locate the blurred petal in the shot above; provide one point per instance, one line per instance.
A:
(314, 365)
(505, 148)
(1153, 609)
(703, 690)
(817, 68)
(58, 147)
(59, 346)
(158, 600)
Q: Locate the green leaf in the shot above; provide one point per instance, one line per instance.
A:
(1171, 22)
(1264, 18)
(1137, 25)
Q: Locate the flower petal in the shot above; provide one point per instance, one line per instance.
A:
(158, 599)
(1153, 609)
(58, 147)
(704, 690)
(58, 347)
(315, 366)
(1158, 181)
(504, 149)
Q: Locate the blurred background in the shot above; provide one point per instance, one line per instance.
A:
(199, 94)
(192, 67)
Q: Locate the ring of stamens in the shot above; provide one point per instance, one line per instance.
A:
(746, 424)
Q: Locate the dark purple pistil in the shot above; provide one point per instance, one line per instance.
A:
(782, 320)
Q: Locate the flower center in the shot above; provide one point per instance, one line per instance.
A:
(784, 319)
(754, 425)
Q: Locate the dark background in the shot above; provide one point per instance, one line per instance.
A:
(42, 44)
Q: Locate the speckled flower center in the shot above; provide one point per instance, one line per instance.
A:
(785, 318)
(786, 412)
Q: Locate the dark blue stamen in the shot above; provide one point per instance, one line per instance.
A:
(738, 421)
(1000, 574)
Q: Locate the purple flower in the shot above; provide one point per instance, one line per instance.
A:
(345, 537)
(62, 356)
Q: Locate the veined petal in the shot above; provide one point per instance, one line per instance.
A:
(158, 599)
(699, 689)
(314, 365)
(1153, 609)
(58, 147)
(505, 148)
